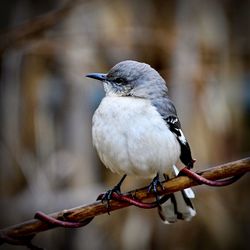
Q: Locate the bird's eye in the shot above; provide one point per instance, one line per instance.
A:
(119, 80)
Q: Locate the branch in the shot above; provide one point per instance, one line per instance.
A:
(84, 214)
(34, 28)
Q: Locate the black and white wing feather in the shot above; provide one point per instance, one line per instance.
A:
(175, 127)
(168, 112)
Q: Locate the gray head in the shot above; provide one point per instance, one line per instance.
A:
(132, 78)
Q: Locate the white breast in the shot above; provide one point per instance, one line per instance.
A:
(131, 137)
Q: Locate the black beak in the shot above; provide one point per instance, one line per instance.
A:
(97, 76)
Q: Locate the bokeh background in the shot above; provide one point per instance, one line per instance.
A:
(48, 163)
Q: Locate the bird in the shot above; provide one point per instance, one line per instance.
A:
(136, 132)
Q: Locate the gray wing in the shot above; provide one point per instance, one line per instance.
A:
(168, 112)
(164, 106)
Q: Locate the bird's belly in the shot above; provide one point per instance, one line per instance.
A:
(131, 137)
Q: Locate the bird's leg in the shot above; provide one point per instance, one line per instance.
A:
(130, 198)
(116, 189)
(153, 187)
(154, 184)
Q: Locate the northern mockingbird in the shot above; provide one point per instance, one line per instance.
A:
(136, 131)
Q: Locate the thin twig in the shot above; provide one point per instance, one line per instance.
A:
(34, 28)
(86, 212)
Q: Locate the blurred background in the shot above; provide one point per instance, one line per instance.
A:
(48, 163)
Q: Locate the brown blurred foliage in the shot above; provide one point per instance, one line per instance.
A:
(201, 48)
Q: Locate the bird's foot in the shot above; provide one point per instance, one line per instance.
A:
(155, 183)
(106, 197)
(153, 188)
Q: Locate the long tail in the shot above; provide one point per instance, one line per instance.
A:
(179, 205)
